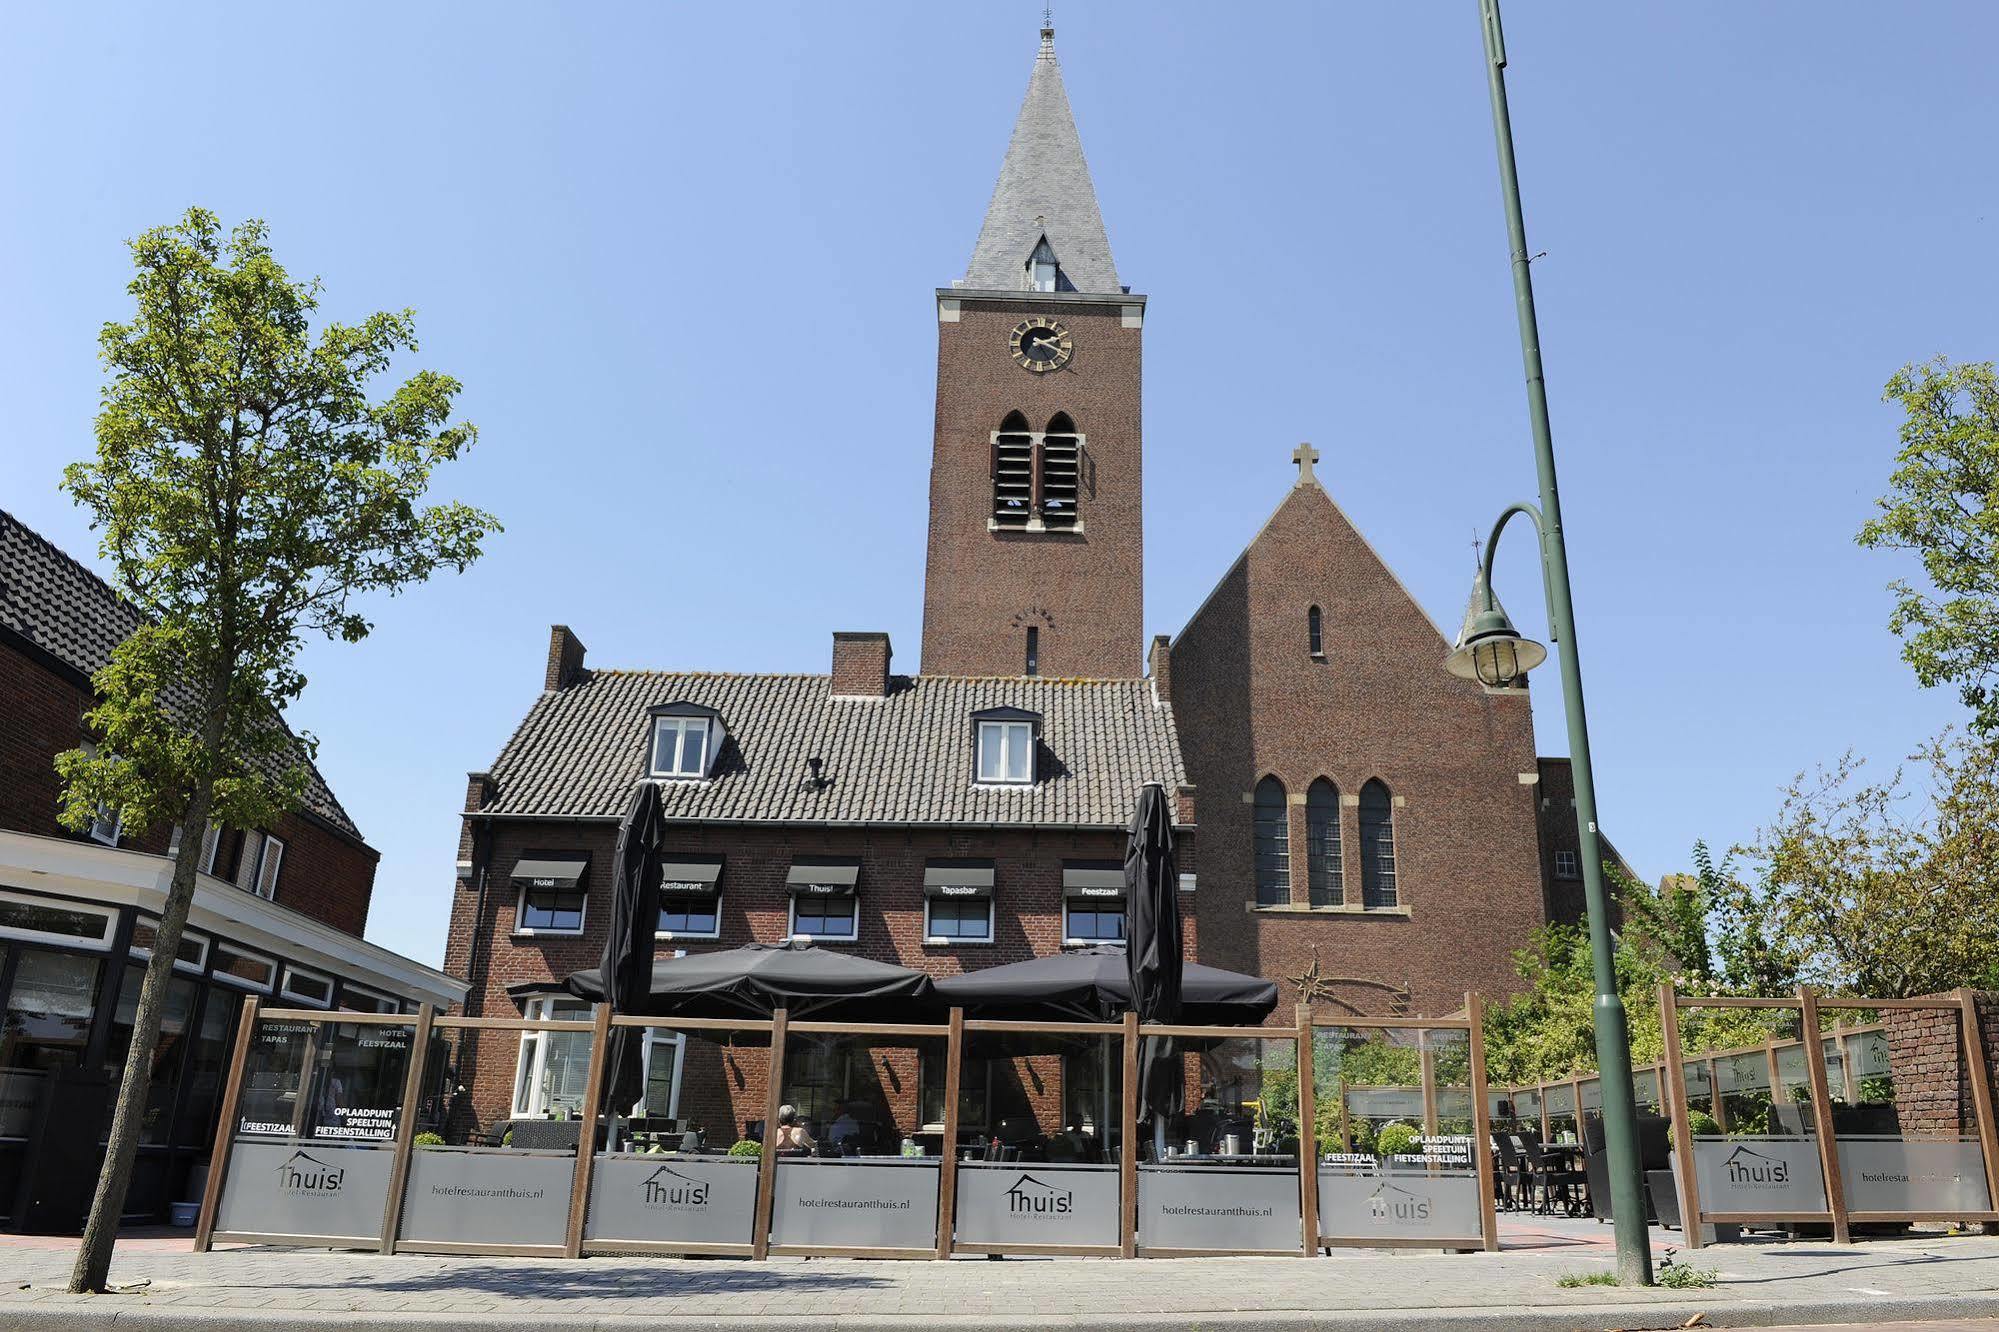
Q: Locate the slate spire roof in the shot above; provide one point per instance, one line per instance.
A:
(1044, 189)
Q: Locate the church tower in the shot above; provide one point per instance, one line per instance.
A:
(1036, 552)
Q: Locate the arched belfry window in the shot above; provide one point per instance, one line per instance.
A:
(1325, 870)
(1377, 845)
(1273, 844)
(1315, 637)
(1037, 476)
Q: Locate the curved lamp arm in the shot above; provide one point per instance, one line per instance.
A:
(1541, 539)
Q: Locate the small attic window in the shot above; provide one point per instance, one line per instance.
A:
(685, 738)
(1044, 273)
(1006, 739)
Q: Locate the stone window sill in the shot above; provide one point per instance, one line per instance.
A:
(1303, 909)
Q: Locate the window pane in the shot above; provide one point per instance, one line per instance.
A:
(551, 909)
(831, 917)
(166, 1055)
(693, 749)
(1086, 922)
(1019, 750)
(53, 918)
(960, 919)
(48, 1011)
(1324, 866)
(206, 1059)
(689, 915)
(1273, 844)
(1377, 845)
(991, 743)
(659, 1077)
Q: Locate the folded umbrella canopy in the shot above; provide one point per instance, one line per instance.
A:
(1155, 952)
(628, 943)
(1094, 985)
(758, 979)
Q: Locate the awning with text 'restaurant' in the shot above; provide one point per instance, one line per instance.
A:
(823, 878)
(967, 880)
(690, 878)
(1094, 879)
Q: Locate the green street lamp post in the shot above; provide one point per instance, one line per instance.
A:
(1491, 651)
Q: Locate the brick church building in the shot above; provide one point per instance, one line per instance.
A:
(1353, 821)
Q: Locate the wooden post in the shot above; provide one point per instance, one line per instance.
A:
(1543, 1093)
(1308, 1132)
(399, 1169)
(1684, 1175)
(1981, 1091)
(1128, 1152)
(1776, 1080)
(1481, 1127)
(225, 1127)
(586, 1139)
(1576, 1102)
(1828, 1136)
(308, 1066)
(1714, 1096)
(767, 1164)
(1426, 1061)
(947, 1169)
(1849, 1088)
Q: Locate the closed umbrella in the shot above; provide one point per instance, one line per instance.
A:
(628, 944)
(1152, 931)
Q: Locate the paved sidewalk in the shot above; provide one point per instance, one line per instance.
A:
(1512, 1291)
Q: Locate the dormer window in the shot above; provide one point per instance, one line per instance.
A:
(1043, 273)
(1006, 739)
(685, 738)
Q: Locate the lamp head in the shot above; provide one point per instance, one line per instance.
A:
(1489, 649)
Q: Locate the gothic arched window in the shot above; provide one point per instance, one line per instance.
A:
(1377, 845)
(1273, 844)
(1013, 472)
(1315, 637)
(1037, 478)
(1325, 871)
(1060, 472)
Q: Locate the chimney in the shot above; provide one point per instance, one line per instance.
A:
(565, 658)
(860, 665)
(479, 789)
(1159, 663)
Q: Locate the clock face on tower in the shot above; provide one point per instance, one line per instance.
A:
(1041, 345)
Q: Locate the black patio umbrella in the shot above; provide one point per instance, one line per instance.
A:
(1153, 950)
(1094, 985)
(756, 980)
(628, 945)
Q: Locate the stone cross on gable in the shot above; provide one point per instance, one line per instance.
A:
(1305, 455)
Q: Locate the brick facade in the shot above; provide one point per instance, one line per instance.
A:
(325, 874)
(1926, 1059)
(726, 1085)
(1083, 590)
(1252, 701)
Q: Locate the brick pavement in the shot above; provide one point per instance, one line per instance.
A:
(1762, 1285)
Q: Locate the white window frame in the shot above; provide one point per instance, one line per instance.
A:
(678, 1040)
(930, 936)
(1003, 733)
(285, 990)
(187, 936)
(682, 726)
(103, 941)
(268, 865)
(240, 982)
(715, 933)
(384, 1003)
(534, 1045)
(211, 844)
(546, 931)
(1071, 941)
(791, 930)
(1575, 865)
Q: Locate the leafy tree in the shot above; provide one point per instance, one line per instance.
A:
(1943, 505)
(1881, 892)
(249, 492)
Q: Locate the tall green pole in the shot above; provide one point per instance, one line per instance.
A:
(1613, 1048)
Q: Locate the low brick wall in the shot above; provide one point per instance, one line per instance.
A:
(1933, 1097)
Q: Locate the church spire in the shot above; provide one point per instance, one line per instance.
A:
(1044, 194)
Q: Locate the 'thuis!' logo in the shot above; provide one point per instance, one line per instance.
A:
(302, 1172)
(668, 1189)
(1032, 1197)
(1746, 1169)
(1392, 1203)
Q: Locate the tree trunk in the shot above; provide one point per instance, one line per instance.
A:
(93, 1258)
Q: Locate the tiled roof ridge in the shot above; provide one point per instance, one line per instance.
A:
(644, 672)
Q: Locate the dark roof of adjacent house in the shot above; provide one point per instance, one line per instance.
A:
(52, 601)
(903, 758)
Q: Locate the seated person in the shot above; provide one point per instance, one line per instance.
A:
(791, 1135)
(845, 1126)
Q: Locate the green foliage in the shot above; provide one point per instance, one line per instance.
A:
(1702, 1124)
(744, 1147)
(1576, 1280)
(248, 492)
(507, 1138)
(1397, 1139)
(428, 1139)
(1943, 506)
(1676, 1275)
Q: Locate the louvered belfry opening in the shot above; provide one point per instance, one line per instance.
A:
(1037, 478)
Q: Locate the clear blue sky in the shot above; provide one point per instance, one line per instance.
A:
(683, 259)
